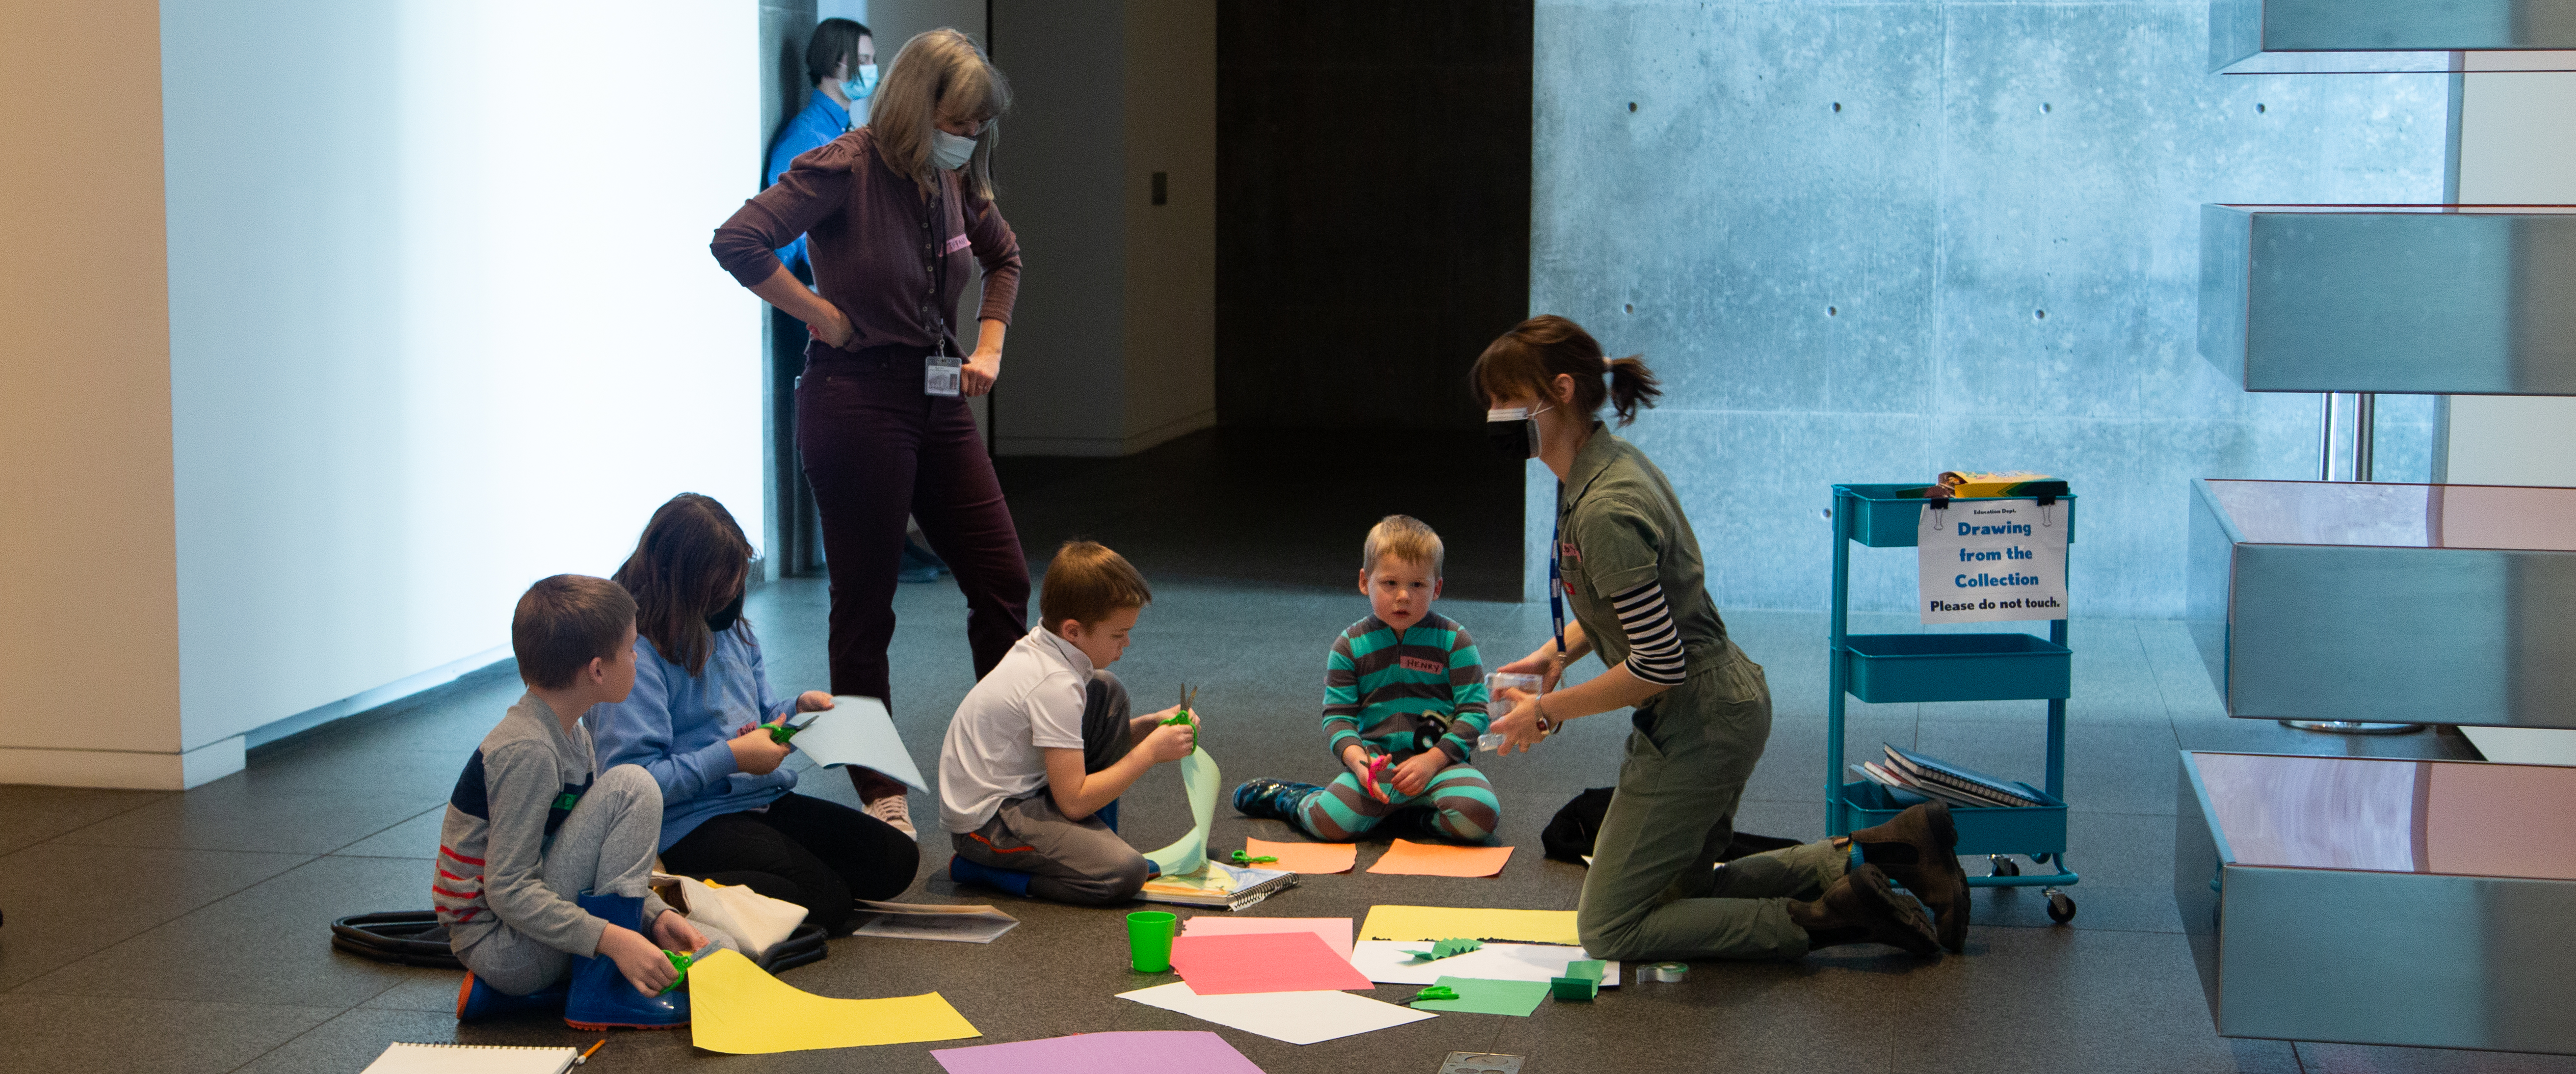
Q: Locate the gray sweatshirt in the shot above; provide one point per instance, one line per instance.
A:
(501, 821)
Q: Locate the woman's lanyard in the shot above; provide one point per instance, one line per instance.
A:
(942, 372)
(1555, 577)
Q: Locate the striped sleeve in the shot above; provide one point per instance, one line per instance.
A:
(1341, 697)
(1470, 711)
(1654, 642)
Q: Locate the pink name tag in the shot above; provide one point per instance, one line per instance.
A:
(1415, 663)
(955, 243)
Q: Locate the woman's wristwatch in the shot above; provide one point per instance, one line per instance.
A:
(1546, 726)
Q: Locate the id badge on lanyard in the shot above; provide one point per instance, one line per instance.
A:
(942, 373)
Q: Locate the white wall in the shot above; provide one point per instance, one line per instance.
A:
(442, 321)
(88, 623)
(2517, 147)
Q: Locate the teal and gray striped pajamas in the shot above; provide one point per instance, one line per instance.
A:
(1402, 696)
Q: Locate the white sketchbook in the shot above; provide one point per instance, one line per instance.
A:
(916, 921)
(859, 731)
(403, 1058)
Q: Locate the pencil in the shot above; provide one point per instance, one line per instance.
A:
(584, 1058)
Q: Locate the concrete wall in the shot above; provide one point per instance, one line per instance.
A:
(442, 322)
(89, 617)
(1835, 228)
(1111, 347)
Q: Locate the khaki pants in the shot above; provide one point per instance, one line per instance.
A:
(1654, 890)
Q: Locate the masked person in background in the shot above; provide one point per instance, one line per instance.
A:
(841, 58)
(897, 214)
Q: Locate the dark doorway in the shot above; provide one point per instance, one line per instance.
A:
(1373, 207)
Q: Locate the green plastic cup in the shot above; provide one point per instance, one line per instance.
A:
(1149, 940)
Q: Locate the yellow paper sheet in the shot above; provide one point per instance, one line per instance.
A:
(737, 1007)
(1449, 922)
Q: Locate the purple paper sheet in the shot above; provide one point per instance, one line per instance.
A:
(1197, 1051)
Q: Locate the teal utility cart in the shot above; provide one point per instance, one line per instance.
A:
(1900, 668)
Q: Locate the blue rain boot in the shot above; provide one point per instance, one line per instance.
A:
(968, 872)
(600, 996)
(476, 999)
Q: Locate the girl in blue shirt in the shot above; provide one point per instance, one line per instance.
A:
(729, 811)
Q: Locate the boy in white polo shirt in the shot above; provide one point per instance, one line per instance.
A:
(1044, 743)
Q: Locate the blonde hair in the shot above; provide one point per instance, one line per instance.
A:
(938, 69)
(1088, 583)
(1405, 538)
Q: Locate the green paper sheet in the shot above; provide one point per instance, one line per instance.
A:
(1479, 996)
(1200, 780)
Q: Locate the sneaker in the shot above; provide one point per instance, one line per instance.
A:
(893, 809)
(1272, 799)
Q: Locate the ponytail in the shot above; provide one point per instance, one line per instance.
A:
(1633, 387)
(1535, 352)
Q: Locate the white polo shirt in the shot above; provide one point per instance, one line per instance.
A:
(1031, 702)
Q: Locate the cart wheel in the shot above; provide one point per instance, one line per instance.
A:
(2060, 908)
(2003, 866)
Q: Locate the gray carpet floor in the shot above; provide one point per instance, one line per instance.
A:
(185, 932)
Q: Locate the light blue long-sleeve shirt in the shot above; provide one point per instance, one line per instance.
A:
(677, 726)
(820, 122)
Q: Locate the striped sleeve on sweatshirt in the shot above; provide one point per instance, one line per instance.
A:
(1654, 643)
(1469, 711)
(1341, 697)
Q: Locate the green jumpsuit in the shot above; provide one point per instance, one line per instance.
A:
(1653, 890)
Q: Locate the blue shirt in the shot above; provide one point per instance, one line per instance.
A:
(677, 726)
(820, 122)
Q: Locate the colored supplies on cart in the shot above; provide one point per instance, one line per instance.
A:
(1913, 773)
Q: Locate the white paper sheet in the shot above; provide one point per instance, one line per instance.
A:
(1295, 1017)
(913, 921)
(857, 730)
(1385, 962)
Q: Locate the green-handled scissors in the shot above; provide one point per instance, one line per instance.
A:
(781, 731)
(1189, 701)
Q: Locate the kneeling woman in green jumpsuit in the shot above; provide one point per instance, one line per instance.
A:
(1632, 575)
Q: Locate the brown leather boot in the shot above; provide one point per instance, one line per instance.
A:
(1919, 850)
(1862, 908)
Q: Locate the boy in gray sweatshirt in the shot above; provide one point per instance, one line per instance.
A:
(543, 870)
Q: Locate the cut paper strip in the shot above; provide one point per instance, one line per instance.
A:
(1386, 962)
(1295, 1017)
(737, 1007)
(1317, 858)
(1442, 922)
(1262, 962)
(1199, 779)
(1408, 858)
(1336, 931)
(1196, 1051)
(1480, 996)
(859, 731)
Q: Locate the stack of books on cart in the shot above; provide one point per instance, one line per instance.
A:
(1912, 777)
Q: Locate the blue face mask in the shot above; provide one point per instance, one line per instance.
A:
(857, 89)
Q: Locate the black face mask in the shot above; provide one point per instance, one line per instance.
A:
(1512, 432)
(723, 619)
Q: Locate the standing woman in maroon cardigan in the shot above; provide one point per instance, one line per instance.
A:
(891, 212)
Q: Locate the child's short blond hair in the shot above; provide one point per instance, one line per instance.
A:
(1405, 538)
(1088, 583)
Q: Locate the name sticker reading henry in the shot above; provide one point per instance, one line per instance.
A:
(1416, 663)
(1981, 561)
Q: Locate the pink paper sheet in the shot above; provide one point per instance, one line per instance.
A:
(1198, 1052)
(1336, 931)
(1263, 962)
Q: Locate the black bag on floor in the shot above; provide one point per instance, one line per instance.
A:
(415, 938)
(1570, 835)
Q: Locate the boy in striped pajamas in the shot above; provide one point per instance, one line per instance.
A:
(1404, 693)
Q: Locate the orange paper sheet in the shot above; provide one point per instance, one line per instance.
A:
(1408, 858)
(1303, 857)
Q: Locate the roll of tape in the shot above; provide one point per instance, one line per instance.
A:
(1666, 972)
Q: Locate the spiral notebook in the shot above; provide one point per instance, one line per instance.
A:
(403, 1058)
